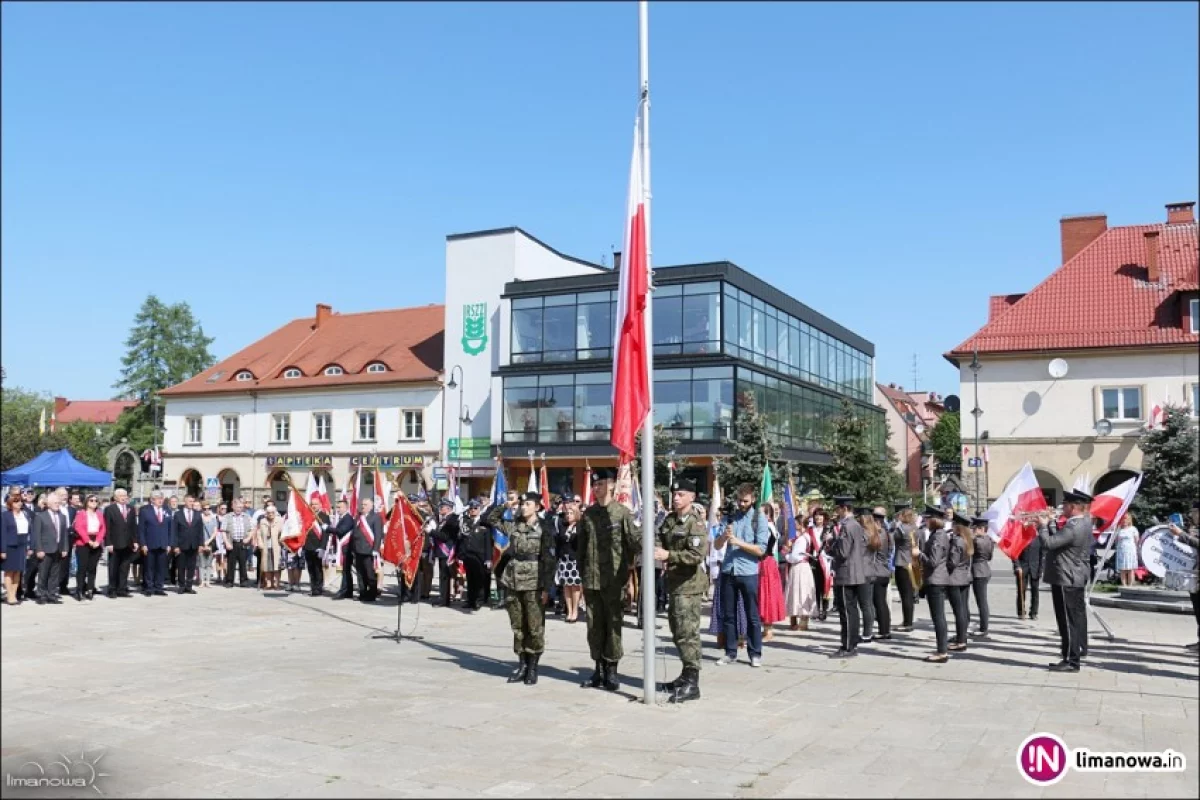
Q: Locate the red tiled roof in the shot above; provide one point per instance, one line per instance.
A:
(1101, 298)
(98, 412)
(927, 411)
(408, 341)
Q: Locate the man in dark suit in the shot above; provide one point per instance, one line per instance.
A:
(365, 540)
(155, 534)
(187, 534)
(314, 545)
(70, 504)
(445, 548)
(345, 525)
(50, 541)
(120, 524)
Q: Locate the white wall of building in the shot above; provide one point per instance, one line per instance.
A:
(1028, 415)
(477, 268)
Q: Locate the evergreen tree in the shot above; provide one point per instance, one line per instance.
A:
(946, 438)
(664, 442)
(1170, 463)
(166, 346)
(857, 468)
(751, 448)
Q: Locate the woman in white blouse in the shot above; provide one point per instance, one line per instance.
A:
(801, 591)
(1127, 549)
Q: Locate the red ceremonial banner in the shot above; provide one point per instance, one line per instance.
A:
(405, 539)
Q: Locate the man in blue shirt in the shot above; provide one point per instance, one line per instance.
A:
(746, 536)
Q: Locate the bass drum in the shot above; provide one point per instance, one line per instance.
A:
(1162, 553)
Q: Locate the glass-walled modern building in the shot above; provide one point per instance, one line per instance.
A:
(719, 332)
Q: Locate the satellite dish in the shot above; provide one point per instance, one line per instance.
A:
(1058, 368)
(951, 403)
(1103, 427)
(919, 429)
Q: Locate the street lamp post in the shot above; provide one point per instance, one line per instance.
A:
(976, 412)
(458, 385)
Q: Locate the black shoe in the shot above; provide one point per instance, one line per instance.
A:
(125, 593)
(54, 601)
(89, 595)
(670, 686)
(520, 672)
(160, 593)
(341, 595)
(110, 594)
(1064, 666)
(689, 689)
(77, 595)
(1033, 616)
(883, 638)
(844, 654)
(41, 601)
(315, 593)
(189, 590)
(531, 674)
(597, 679)
(612, 682)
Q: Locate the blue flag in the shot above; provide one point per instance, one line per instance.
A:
(789, 512)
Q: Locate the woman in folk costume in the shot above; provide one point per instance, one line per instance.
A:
(771, 608)
(801, 590)
(821, 531)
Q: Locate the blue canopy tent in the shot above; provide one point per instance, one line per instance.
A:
(55, 468)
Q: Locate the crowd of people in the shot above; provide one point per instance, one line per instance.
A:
(578, 558)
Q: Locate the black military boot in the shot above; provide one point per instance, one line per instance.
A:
(597, 679)
(521, 671)
(689, 689)
(611, 680)
(669, 687)
(531, 673)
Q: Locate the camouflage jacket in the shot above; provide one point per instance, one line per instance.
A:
(685, 538)
(607, 542)
(529, 560)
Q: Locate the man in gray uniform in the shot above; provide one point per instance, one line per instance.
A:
(1068, 553)
(851, 590)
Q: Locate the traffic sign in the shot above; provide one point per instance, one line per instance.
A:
(211, 483)
(975, 462)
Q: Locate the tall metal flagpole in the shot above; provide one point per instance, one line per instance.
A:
(647, 470)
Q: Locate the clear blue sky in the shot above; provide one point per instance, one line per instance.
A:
(890, 165)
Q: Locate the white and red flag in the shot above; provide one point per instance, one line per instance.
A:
(587, 484)
(382, 495)
(323, 495)
(631, 352)
(1008, 522)
(350, 490)
(1110, 506)
(300, 519)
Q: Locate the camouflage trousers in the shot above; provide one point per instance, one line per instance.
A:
(683, 614)
(605, 619)
(527, 618)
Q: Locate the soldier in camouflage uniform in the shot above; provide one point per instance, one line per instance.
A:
(608, 539)
(527, 574)
(682, 545)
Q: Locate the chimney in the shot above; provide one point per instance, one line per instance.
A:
(616, 260)
(1180, 213)
(324, 312)
(891, 386)
(60, 405)
(1079, 232)
(1152, 271)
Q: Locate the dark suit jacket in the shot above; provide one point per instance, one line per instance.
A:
(313, 540)
(152, 533)
(185, 536)
(42, 536)
(120, 532)
(9, 538)
(358, 541)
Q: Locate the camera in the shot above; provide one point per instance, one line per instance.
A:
(729, 510)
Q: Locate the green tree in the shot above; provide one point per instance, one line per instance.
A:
(857, 468)
(20, 415)
(166, 346)
(664, 442)
(750, 449)
(946, 438)
(1170, 467)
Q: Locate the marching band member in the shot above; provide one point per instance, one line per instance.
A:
(936, 579)
(851, 590)
(879, 542)
(981, 571)
(958, 563)
(1068, 552)
(904, 540)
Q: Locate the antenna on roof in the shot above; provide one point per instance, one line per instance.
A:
(916, 373)
(604, 259)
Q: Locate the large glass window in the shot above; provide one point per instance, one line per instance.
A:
(701, 318)
(668, 320)
(558, 329)
(527, 330)
(673, 401)
(565, 327)
(520, 409)
(800, 417)
(593, 407)
(556, 408)
(594, 325)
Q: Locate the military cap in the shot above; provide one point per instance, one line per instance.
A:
(901, 505)
(933, 511)
(862, 511)
(603, 474)
(473, 504)
(959, 519)
(412, 498)
(532, 497)
(1076, 496)
(846, 500)
(446, 503)
(980, 522)
(684, 485)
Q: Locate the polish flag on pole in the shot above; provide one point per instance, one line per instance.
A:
(382, 493)
(1110, 506)
(587, 484)
(545, 484)
(1008, 524)
(350, 490)
(312, 490)
(631, 379)
(323, 495)
(299, 521)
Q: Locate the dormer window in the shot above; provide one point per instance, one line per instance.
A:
(376, 366)
(334, 369)
(1194, 315)
(292, 372)
(244, 375)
